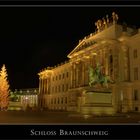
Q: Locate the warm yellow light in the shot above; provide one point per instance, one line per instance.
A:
(94, 53)
(86, 116)
(87, 57)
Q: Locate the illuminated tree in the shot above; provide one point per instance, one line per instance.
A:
(4, 89)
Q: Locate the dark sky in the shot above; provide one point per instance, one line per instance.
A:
(34, 38)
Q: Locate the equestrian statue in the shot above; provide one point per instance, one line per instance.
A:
(97, 77)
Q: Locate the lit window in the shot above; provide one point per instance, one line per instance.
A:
(135, 54)
(136, 73)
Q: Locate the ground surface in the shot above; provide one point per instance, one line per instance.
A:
(23, 117)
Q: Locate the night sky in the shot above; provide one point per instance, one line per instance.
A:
(33, 38)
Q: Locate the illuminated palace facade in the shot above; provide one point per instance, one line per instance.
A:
(117, 48)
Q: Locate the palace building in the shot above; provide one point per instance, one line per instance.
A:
(23, 99)
(116, 49)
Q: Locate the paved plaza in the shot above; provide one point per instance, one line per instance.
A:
(23, 117)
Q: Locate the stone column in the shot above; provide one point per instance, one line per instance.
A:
(71, 76)
(39, 85)
(116, 63)
(40, 94)
(102, 57)
(106, 63)
(103, 61)
(74, 75)
(76, 78)
(80, 74)
(130, 98)
(48, 85)
(40, 90)
(44, 85)
(115, 97)
(84, 74)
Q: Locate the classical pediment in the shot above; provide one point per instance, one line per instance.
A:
(81, 46)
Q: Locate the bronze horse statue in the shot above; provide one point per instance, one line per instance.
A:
(96, 76)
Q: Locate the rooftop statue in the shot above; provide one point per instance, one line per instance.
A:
(104, 22)
(98, 25)
(107, 20)
(115, 17)
(97, 77)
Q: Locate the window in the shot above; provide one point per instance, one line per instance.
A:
(67, 74)
(66, 87)
(63, 87)
(63, 75)
(61, 100)
(111, 58)
(56, 77)
(51, 101)
(44, 101)
(58, 101)
(135, 54)
(56, 89)
(136, 73)
(135, 94)
(136, 108)
(66, 100)
(60, 77)
(59, 88)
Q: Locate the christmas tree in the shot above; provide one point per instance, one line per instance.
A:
(4, 89)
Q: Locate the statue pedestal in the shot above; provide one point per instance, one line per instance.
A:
(97, 102)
